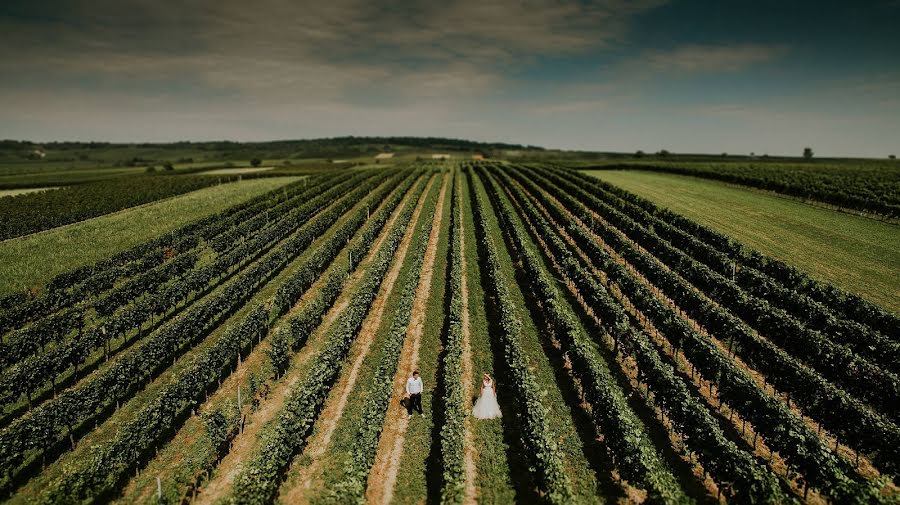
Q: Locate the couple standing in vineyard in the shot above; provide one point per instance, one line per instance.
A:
(485, 408)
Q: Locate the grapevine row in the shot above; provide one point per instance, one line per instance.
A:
(624, 433)
(42, 426)
(784, 431)
(31, 374)
(835, 362)
(259, 481)
(110, 463)
(352, 486)
(849, 306)
(455, 401)
(541, 446)
(815, 315)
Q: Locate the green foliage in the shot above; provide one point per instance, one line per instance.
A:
(352, 486)
(33, 212)
(866, 186)
(452, 433)
(543, 449)
(279, 352)
(259, 481)
(784, 431)
(623, 432)
(143, 362)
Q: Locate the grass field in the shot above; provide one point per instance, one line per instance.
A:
(33, 260)
(859, 254)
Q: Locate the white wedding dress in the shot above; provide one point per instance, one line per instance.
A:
(486, 407)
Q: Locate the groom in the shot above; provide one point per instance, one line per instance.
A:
(414, 391)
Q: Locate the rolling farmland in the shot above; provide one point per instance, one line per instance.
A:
(257, 353)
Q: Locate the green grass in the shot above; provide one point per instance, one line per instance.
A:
(190, 451)
(418, 465)
(561, 414)
(340, 451)
(859, 254)
(493, 480)
(33, 260)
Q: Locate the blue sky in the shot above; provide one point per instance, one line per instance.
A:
(687, 76)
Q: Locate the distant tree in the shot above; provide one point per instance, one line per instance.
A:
(752, 155)
(639, 154)
(255, 162)
(808, 153)
(724, 155)
(151, 169)
(167, 166)
(663, 153)
(892, 157)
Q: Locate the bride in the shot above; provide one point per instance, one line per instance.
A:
(486, 407)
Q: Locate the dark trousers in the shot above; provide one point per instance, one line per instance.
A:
(414, 402)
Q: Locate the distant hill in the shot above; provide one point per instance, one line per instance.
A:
(135, 154)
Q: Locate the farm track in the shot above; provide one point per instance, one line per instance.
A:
(190, 439)
(298, 486)
(131, 407)
(234, 463)
(383, 476)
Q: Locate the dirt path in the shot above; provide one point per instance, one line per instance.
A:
(295, 489)
(384, 472)
(470, 496)
(232, 464)
(139, 491)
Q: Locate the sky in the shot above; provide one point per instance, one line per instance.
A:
(612, 75)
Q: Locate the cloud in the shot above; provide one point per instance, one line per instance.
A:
(724, 58)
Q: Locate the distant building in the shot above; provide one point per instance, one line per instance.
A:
(384, 156)
(477, 156)
(440, 156)
(37, 153)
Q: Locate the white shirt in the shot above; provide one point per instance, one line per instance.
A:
(413, 386)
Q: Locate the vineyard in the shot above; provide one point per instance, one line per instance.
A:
(872, 187)
(259, 355)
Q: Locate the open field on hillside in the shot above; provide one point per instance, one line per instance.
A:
(858, 254)
(257, 352)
